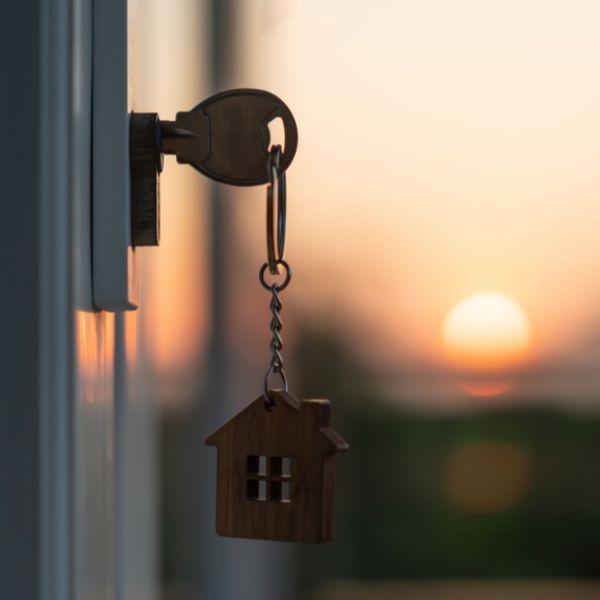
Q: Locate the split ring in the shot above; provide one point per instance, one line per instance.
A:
(276, 210)
(280, 286)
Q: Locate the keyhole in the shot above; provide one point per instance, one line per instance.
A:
(277, 132)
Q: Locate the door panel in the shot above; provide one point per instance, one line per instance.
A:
(78, 481)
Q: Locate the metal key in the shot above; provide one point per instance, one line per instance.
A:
(226, 137)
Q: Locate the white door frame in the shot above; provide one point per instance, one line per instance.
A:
(61, 522)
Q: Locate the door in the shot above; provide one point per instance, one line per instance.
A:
(78, 497)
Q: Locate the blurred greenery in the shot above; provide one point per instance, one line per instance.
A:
(393, 516)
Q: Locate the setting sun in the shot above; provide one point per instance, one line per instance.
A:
(486, 331)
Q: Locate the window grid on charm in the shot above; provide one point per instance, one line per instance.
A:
(269, 478)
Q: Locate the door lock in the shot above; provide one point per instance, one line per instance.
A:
(226, 137)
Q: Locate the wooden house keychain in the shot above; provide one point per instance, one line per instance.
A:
(275, 459)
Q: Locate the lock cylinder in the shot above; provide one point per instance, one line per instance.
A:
(146, 162)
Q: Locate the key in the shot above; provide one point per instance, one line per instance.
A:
(226, 137)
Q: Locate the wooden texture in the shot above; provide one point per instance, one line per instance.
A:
(276, 471)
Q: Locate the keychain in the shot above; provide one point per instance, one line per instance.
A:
(275, 459)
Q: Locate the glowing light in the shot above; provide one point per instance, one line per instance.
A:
(487, 477)
(485, 389)
(487, 331)
(95, 342)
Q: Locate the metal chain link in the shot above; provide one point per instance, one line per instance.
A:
(276, 345)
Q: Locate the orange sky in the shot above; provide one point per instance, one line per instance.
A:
(445, 149)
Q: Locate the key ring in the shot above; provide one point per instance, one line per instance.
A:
(279, 287)
(276, 211)
(276, 222)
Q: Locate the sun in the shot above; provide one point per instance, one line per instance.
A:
(486, 332)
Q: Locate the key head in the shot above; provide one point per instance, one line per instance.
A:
(226, 137)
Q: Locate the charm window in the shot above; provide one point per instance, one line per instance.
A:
(268, 479)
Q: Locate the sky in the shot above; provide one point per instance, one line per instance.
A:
(445, 149)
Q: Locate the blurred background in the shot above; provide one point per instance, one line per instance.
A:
(442, 229)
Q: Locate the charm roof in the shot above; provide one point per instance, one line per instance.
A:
(294, 408)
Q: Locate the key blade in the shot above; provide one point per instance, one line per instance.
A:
(171, 132)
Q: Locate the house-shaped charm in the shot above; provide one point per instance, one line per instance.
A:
(276, 472)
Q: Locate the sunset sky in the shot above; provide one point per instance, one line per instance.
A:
(446, 149)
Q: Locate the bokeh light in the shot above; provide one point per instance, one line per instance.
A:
(487, 477)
